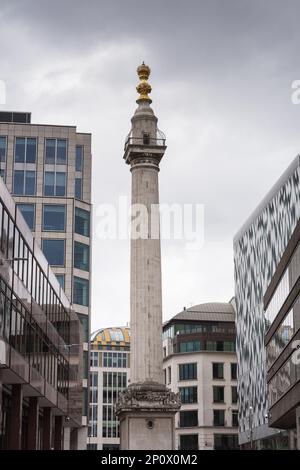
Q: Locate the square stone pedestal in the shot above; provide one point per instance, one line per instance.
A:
(147, 417)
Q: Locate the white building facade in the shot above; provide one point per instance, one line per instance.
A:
(200, 364)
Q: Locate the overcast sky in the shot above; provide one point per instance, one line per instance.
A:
(221, 79)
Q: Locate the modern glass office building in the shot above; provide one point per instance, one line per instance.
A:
(282, 315)
(47, 169)
(40, 381)
(258, 248)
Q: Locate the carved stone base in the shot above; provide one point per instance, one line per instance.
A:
(146, 412)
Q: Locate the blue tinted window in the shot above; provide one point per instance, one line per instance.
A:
(2, 173)
(2, 149)
(28, 212)
(60, 184)
(54, 250)
(82, 222)
(18, 182)
(78, 188)
(54, 217)
(56, 151)
(61, 280)
(61, 156)
(49, 183)
(31, 150)
(81, 256)
(50, 151)
(79, 158)
(25, 150)
(30, 183)
(20, 150)
(81, 291)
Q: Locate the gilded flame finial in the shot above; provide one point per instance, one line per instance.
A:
(144, 87)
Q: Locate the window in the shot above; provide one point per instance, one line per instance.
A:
(234, 395)
(188, 394)
(94, 362)
(56, 152)
(218, 393)
(169, 375)
(219, 418)
(189, 346)
(81, 291)
(146, 138)
(61, 280)
(84, 320)
(24, 182)
(233, 371)
(187, 371)
(225, 441)
(235, 418)
(28, 212)
(82, 222)
(81, 256)
(54, 250)
(25, 150)
(2, 149)
(54, 217)
(55, 183)
(188, 418)
(188, 442)
(79, 158)
(218, 370)
(78, 188)
(2, 173)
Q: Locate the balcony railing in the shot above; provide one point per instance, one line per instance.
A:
(144, 141)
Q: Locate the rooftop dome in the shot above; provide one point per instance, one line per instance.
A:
(113, 335)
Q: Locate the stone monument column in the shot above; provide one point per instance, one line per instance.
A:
(147, 408)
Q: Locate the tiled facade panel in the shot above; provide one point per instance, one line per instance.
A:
(256, 255)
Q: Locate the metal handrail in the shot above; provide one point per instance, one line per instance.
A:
(144, 141)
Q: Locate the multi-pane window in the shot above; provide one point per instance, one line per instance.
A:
(218, 370)
(82, 222)
(234, 395)
(61, 280)
(2, 149)
(115, 359)
(54, 250)
(25, 150)
(225, 441)
(81, 256)
(188, 394)
(188, 371)
(24, 182)
(28, 212)
(94, 361)
(235, 418)
(55, 183)
(218, 394)
(219, 418)
(188, 442)
(188, 418)
(56, 152)
(93, 420)
(233, 371)
(81, 291)
(54, 217)
(113, 384)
